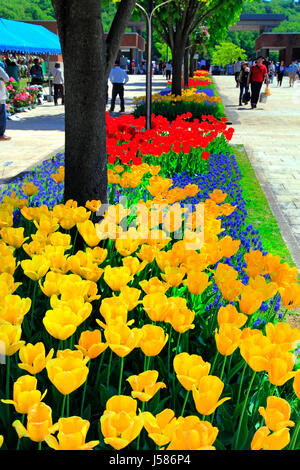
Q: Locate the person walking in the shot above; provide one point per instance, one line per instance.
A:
(168, 70)
(243, 80)
(258, 73)
(4, 78)
(118, 78)
(292, 73)
(237, 70)
(272, 70)
(58, 83)
(280, 70)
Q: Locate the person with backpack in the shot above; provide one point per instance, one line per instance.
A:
(243, 81)
(258, 74)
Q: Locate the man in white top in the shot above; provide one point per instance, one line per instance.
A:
(168, 70)
(237, 70)
(58, 83)
(3, 115)
(118, 78)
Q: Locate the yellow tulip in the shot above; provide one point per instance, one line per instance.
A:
(145, 386)
(71, 435)
(276, 414)
(264, 440)
(156, 306)
(193, 434)
(90, 344)
(25, 394)
(33, 357)
(130, 296)
(153, 339)
(190, 369)
(227, 339)
(153, 286)
(88, 231)
(114, 311)
(61, 322)
(13, 236)
(133, 264)
(39, 423)
(207, 394)
(160, 427)
(36, 267)
(229, 314)
(117, 278)
(10, 339)
(121, 339)
(29, 188)
(119, 423)
(296, 384)
(51, 284)
(68, 371)
(14, 308)
(283, 335)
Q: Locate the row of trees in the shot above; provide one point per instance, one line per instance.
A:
(88, 58)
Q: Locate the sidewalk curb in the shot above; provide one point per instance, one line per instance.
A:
(284, 226)
(4, 181)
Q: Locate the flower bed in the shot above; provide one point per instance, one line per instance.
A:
(197, 98)
(153, 339)
(20, 99)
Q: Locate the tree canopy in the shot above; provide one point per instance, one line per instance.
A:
(227, 53)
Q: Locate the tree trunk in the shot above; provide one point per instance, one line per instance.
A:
(177, 59)
(186, 67)
(192, 60)
(84, 55)
(87, 62)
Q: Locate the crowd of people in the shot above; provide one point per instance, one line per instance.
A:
(261, 70)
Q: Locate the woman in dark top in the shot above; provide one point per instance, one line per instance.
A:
(36, 72)
(280, 69)
(243, 79)
(12, 69)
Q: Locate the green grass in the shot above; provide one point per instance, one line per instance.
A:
(259, 212)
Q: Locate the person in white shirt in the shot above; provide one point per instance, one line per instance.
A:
(58, 83)
(118, 78)
(237, 70)
(3, 115)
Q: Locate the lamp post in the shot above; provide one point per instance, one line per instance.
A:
(149, 15)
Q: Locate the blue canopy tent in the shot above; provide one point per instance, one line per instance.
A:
(16, 36)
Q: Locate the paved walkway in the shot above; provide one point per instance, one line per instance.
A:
(271, 137)
(40, 133)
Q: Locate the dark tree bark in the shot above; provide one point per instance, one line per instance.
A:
(192, 60)
(186, 64)
(87, 62)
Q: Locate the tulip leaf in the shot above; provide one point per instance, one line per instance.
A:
(243, 435)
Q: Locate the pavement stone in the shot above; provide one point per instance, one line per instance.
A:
(271, 137)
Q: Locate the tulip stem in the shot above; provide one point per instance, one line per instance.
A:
(99, 369)
(84, 393)
(139, 437)
(40, 446)
(214, 363)
(169, 348)
(63, 406)
(295, 435)
(19, 440)
(236, 441)
(223, 367)
(33, 305)
(108, 369)
(121, 375)
(68, 405)
(178, 342)
(241, 384)
(185, 401)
